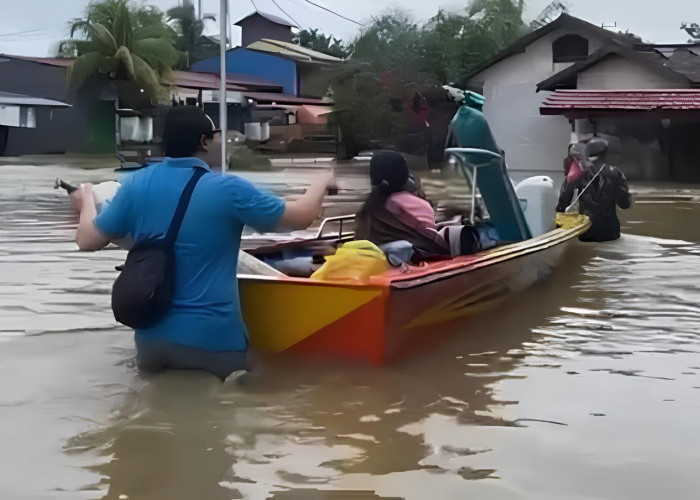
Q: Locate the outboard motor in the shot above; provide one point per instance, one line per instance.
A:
(538, 199)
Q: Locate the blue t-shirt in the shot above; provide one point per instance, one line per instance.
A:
(205, 311)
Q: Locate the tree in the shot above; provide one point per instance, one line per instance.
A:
(401, 57)
(319, 42)
(693, 30)
(133, 44)
(189, 30)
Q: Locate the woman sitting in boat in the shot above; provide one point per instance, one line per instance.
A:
(395, 212)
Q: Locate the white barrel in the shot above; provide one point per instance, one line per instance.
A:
(538, 199)
(252, 131)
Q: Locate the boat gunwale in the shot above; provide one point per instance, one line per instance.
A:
(443, 269)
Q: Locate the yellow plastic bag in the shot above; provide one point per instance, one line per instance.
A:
(354, 261)
(569, 220)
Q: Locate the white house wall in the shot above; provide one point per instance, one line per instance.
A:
(615, 72)
(534, 144)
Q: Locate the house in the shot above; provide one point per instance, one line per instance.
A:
(297, 113)
(259, 25)
(299, 71)
(556, 80)
(35, 106)
(645, 100)
(18, 112)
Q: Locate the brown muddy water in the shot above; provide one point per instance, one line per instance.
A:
(584, 387)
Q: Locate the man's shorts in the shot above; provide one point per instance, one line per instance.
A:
(159, 355)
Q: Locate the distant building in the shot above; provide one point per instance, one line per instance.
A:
(578, 67)
(296, 114)
(299, 71)
(259, 25)
(35, 107)
(19, 112)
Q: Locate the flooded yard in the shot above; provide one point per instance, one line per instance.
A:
(585, 386)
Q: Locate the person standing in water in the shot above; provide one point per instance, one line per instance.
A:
(203, 327)
(602, 189)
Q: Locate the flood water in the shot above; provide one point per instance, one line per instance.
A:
(584, 387)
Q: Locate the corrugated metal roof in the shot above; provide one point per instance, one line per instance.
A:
(51, 61)
(11, 99)
(283, 98)
(277, 50)
(292, 51)
(204, 80)
(584, 102)
(313, 54)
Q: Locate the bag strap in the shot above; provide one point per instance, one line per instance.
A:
(175, 224)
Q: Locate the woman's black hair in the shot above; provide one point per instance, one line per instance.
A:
(388, 174)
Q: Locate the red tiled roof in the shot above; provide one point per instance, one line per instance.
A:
(608, 102)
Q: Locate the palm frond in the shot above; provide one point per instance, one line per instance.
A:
(122, 27)
(147, 78)
(153, 31)
(158, 52)
(85, 66)
(122, 64)
(102, 39)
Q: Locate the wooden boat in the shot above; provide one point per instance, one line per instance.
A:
(389, 315)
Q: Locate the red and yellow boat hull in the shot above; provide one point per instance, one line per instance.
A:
(395, 313)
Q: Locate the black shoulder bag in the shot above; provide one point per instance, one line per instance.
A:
(142, 292)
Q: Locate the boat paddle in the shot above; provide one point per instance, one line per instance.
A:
(570, 208)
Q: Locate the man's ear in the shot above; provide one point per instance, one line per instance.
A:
(203, 143)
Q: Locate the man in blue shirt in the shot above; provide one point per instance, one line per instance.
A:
(203, 329)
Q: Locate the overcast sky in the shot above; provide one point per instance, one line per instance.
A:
(32, 27)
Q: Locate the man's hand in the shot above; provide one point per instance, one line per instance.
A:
(87, 236)
(301, 212)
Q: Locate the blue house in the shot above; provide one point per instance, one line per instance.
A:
(250, 62)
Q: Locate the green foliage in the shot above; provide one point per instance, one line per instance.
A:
(398, 56)
(126, 41)
(319, 42)
(243, 158)
(189, 30)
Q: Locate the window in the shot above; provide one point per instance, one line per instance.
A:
(569, 48)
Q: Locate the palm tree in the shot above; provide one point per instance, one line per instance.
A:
(189, 30)
(140, 51)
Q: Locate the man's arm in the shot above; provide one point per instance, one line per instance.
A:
(300, 213)
(566, 194)
(623, 198)
(87, 236)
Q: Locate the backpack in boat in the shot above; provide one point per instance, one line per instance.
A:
(142, 292)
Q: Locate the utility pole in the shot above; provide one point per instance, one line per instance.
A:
(223, 118)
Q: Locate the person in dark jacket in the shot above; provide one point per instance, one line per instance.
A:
(602, 188)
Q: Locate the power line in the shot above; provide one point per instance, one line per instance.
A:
(285, 13)
(332, 12)
(280, 8)
(32, 33)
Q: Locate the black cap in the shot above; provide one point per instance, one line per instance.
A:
(597, 146)
(389, 169)
(183, 130)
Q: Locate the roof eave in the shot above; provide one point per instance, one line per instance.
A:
(523, 42)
